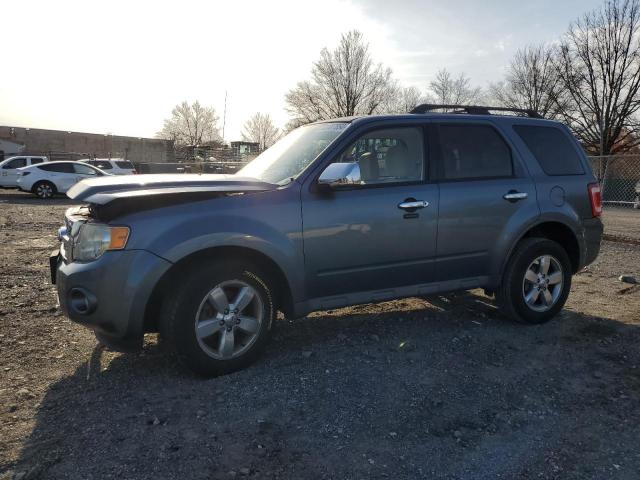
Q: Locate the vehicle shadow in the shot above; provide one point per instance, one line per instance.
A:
(16, 197)
(404, 389)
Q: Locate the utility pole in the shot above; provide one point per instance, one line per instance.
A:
(224, 117)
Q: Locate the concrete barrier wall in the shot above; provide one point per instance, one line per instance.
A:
(44, 142)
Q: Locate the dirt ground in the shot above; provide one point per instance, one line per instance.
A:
(418, 388)
(622, 222)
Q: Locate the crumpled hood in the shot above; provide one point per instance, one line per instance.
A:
(104, 190)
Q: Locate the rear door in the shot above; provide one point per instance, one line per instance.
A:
(9, 171)
(62, 175)
(484, 191)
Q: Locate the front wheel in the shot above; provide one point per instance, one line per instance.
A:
(536, 281)
(219, 318)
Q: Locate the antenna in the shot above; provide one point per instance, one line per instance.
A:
(224, 117)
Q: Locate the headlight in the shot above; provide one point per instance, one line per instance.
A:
(95, 238)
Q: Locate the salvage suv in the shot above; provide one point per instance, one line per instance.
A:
(339, 212)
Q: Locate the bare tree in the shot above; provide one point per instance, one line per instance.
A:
(260, 129)
(402, 99)
(457, 91)
(343, 82)
(191, 125)
(533, 82)
(599, 66)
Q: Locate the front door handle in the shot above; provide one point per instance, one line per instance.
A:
(411, 205)
(514, 196)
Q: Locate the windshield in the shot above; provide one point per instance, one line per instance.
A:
(290, 155)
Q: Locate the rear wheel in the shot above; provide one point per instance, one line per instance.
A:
(44, 189)
(219, 318)
(536, 281)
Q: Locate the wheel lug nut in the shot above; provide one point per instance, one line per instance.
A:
(221, 322)
(228, 328)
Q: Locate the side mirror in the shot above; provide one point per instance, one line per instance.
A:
(339, 175)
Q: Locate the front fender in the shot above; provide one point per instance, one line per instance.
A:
(269, 223)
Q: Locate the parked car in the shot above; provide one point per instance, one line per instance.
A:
(46, 180)
(9, 168)
(336, 213)
(114, 166)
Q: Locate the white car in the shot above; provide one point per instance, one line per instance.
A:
(114, 166)
(47, 179)
(9, 168)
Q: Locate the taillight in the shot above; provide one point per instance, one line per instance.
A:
(595, 196)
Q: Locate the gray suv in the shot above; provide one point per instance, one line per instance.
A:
(337, 213)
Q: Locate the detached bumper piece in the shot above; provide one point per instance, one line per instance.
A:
(54, 262)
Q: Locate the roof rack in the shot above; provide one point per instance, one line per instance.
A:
(473, 109)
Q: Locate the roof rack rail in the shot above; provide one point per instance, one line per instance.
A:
(473, 109)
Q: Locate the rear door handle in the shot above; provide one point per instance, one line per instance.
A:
(413, 204)
(514, 196)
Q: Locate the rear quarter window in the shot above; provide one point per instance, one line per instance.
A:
(126, 164)
(553, 150)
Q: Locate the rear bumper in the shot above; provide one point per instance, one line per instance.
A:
(591, 238)
(110, 295)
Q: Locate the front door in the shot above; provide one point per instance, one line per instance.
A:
(484, 189)
(9, 171)
(377, 230)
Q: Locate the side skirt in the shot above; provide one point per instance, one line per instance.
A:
(372, 296)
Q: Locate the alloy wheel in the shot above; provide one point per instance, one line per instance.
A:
(542, 283)
(229, 319)
(44, 190)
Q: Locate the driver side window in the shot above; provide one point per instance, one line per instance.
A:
(390, 155)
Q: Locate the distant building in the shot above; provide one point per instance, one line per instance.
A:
(59, 145)
(245, 148)
(9, 149)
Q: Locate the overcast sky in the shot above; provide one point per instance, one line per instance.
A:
(120, 66)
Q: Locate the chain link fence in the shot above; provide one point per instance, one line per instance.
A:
(619, 176)
(190, 167)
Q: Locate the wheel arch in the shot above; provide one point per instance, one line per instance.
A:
(557, 231)
(283, 300)
(40, 182)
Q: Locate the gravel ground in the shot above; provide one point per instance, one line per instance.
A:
(622, 222)
(417, 388)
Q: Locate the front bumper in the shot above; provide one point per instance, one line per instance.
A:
(110, 295)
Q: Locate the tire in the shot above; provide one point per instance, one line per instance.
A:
(519, 297)
(227, 340)
(44, 190)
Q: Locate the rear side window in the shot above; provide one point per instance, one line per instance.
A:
(473, 151)
(552, 149)
(35, 161)
(126, 164)
(58, 167)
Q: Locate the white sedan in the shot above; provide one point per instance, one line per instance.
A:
(47, 179)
